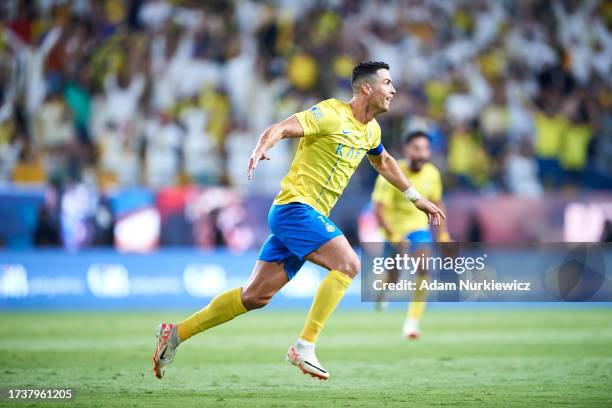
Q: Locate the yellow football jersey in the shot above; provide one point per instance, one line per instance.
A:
(400, 212)
(333, 145)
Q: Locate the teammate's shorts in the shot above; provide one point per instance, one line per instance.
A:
(296, 230)
(419, 239)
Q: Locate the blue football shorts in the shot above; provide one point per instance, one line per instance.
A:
(296, 230)
(418, 239)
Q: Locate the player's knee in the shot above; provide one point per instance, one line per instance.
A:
(350, 267)
(253, 300)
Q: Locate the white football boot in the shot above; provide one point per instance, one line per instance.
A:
(164, 353)
(411, 329)
(304, 358)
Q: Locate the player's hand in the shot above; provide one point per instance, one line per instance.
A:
(254, 160)
(434, 214)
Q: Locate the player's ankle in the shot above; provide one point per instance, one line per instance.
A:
(304, 345)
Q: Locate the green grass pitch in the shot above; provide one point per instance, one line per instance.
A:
(503, 357)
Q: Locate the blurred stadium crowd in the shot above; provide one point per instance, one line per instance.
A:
(516, 95)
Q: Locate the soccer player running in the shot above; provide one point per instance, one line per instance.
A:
(403, 226)
(335, 136)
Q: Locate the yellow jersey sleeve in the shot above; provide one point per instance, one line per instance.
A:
(375, 138)
(319, 120)
(436, 191)
(382, 192)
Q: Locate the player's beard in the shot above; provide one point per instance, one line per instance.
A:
(417, 165)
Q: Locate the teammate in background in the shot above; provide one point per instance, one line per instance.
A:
(403, 227)
(335, 136)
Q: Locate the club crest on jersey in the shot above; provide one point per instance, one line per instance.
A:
(316, 113)
(330, 228)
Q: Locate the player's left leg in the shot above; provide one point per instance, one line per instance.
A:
(343, 264)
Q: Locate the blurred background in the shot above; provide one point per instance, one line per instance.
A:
(127, 125)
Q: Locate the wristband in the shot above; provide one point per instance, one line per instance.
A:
(412, 194)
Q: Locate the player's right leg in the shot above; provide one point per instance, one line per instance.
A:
(420, 244)
(381, 303)
(392, 276)
(266, 279)
(416, 309)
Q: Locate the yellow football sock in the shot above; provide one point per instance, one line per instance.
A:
(221, 309)
(416, 309)
(325, 301)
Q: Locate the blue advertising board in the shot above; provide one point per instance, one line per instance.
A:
(167, 279)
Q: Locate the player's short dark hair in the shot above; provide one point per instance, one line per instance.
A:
(363, 70)
(415, 134)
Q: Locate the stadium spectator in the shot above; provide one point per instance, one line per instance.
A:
(163, 93)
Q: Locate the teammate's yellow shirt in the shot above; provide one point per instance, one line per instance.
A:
(333, 145)
(400, 213)
(549, 133)
(574, 147)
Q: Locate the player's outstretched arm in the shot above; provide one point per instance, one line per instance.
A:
(386, 165)
(288, 128)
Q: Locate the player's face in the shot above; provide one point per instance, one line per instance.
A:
(417, 153)
(383, 90)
